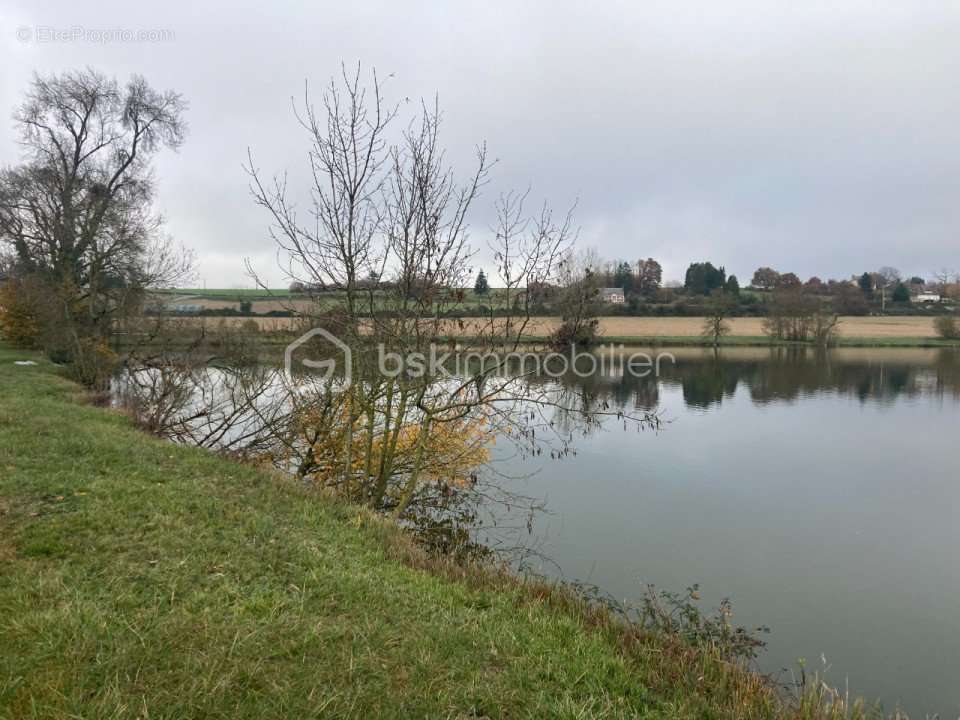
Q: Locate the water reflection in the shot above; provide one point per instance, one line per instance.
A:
(780, 375)
(817, 490)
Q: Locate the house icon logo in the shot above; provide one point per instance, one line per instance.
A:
(328, 366)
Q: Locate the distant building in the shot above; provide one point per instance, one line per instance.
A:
(615, 296)
(926, 297)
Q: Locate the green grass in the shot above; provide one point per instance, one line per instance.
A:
(236, 294)
(142, 579)
(470, 300)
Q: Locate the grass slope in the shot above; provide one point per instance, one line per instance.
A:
(139, 579)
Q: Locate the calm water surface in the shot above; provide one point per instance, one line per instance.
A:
(820, 492)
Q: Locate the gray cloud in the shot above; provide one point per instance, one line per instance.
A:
(814, 137)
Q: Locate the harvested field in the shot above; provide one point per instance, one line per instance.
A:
(642, 327)
(861, 327)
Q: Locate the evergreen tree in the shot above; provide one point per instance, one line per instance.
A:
(704, 278)
(733, 285)
(480, 287)
(866, 283)
(623, 277)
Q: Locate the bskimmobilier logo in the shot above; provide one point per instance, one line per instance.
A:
(603, 360)
(327, 366)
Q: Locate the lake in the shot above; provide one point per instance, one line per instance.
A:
(818, 491)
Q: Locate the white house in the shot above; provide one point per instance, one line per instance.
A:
(613, 295)
(926, 297)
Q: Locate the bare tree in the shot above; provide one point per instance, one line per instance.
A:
(385, 243)
(946, 280)
(889, 276)
(578, 302)
(715, 325)
(799, 317)
(947, 326)
(77, 213)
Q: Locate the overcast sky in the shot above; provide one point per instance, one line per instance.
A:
(815, 137)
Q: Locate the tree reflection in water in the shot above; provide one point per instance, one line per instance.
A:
(780, 374)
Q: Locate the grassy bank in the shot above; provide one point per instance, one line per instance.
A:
(142, 579)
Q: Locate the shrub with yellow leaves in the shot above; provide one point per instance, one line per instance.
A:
(18, 320)
(390, 455)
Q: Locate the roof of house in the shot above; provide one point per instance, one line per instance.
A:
(606, 292)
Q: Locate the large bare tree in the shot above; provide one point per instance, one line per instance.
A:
(77, 213)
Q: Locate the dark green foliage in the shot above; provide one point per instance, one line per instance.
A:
(901, 294)
(481, 286)
(732, 286)
(623, 277)
(866, 283)
(703, 278)
(649, 276)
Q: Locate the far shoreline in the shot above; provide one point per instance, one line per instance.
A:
(853, 331)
